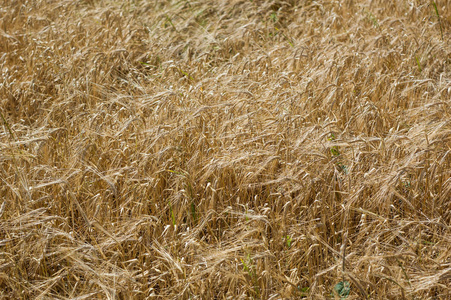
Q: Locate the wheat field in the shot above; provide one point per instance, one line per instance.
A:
(235, 149)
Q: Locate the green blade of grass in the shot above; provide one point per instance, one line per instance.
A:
(438, 17)
(7, 126)
(418, 63)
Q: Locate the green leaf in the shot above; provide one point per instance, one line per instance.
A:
(343, 288)
(418, 64)
(289, 239)
(438, 17)
(273, 16)
(7, 125)
(334, 151)
(172, 214)
(304, 291)
(343, 168)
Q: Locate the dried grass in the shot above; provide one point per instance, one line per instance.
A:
(225, 149)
